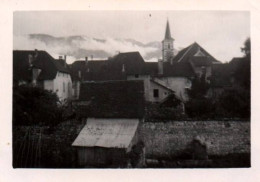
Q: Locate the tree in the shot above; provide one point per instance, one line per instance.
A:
(242, 73)
(247, 47)
(34, 105)
(235, 102)
(199, 105)
(199, 88)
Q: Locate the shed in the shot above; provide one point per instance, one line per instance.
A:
(106, 142)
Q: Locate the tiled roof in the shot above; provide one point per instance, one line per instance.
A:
(163, 86)
(113, 99)
(151, 68)
(187, 54)
(75, 67)
(41, 59)
(201, 61)
(61, 65)
(133, 62)
(182, 69)
(111, 69)
(98, 70)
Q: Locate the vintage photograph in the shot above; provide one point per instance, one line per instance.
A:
(131, 89)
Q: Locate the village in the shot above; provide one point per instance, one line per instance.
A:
(187, 110)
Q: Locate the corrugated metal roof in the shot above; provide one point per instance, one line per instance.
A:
(109, 133)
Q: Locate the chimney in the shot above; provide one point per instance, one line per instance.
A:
(160, 66)
(86, 61)
(36, 53)
(65, 63)
(60, 57)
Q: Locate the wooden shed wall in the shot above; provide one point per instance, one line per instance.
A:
(101, 157)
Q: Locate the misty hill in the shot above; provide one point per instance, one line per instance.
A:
(79, 46)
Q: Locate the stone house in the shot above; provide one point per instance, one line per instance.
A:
(38, 68)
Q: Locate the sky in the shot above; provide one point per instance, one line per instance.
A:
(221, 33)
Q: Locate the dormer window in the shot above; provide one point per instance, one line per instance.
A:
(199, 53)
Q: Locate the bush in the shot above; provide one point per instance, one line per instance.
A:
(234, 103)
(154, 111)
(200, 108)
(198, 105)
(34, 105)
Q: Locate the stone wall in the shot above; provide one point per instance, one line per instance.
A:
(171, 138)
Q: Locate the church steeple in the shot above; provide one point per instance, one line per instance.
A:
(167, 45)
(168, 32)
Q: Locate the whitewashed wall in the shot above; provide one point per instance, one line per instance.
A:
(163, 93)
(178, 85)
(48, 85)
(62, 85)
(149, 87)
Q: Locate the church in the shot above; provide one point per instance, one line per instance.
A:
(172, 74)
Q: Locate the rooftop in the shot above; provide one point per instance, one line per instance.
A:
(113, 99)
(40, 59)
(108, 133)
(190, 52)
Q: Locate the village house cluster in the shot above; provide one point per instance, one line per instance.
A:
(116, 89)
(171, 74)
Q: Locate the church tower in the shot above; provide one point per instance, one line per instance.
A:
(167, 45)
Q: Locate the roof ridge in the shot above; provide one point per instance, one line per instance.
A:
(186, 51)
(129, 52)
(160, 84)
(21, 50)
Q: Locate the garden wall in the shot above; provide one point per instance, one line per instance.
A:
(171, 138)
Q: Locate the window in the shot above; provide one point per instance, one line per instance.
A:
(63, 87)
(136, 76)
(169, 46)
(155, 93)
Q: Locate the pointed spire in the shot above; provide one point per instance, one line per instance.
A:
(168, 32)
